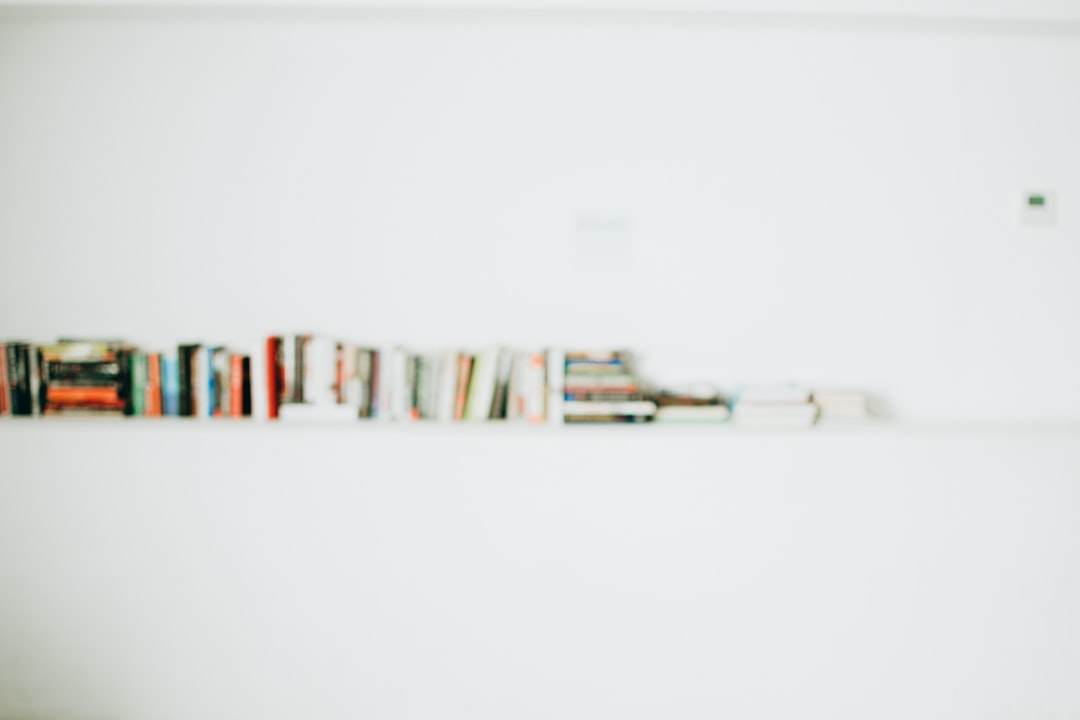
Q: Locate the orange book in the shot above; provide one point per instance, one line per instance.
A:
(275, 380)
(92, 395)
(464, 372)
(153, 385)
(236, 385)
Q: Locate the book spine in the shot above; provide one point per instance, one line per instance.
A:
(245, 386)
(399, 388)
(127, 394)
(183, 371)
(287, 358)
(415, 368)
(19, 379)
(375, 391)
(363, 375)
(222, 384)
(203, 380)
(446, 386)
(502, 384)
(426, 386)
(556, 374)
(43, 382)
(170, 385)
(274, 376)
(300, 370)
(482, 385)
(138, 384)
(236, 385)
(5, 395)
(465, 362)
(36, 387)
(514, 406)
(534, 383)
(339, 373)
(153, 385)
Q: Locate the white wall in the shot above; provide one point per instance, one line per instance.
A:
(812, 201)
(246, 571)
(826, 200)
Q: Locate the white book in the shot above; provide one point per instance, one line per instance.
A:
(426, 382)
(399, 385)
(837, 403)
(482, 385)
(502, 383)
(774, 394)
(353, 390)
(446, 385)
(296, 412)
(515, 403)
(585, 408)
(259, 399)
(534, 394)
(693, 413)
(556, 387)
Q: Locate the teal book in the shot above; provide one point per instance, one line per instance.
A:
(138, 384)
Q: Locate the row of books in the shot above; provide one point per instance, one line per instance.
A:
(103, 377)
(318, 378)
(314, 377)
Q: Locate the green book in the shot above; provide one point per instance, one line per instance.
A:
(138, 384)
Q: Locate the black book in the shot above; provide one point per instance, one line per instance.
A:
(59, 370)
(245, 386)
(123, 359)
(185, 359)
(43, 383)
(299, 347)
(18, 361)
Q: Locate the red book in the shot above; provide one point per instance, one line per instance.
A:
(4, 409)
(153, 385)
(464, 371)
(274, 376)
(236, 385)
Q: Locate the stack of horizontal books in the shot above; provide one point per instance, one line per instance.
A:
(779, 407)
(602, 387)
(701, 403)
(84, 377)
